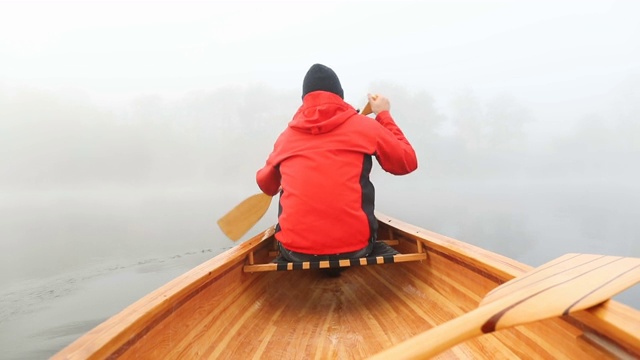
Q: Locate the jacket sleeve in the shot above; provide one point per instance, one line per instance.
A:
(393, 151)
(268, 179)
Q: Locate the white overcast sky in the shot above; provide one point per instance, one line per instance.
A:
(542, 52)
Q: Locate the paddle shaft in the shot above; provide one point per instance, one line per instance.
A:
(439, 338)
(367, 109)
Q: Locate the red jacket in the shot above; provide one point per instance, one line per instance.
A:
(322, 161)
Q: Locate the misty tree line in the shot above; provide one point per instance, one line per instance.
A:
(490, 138)
(211, 137)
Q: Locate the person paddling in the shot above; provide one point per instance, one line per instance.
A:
(320, 165)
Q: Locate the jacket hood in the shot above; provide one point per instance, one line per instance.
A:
(321, 112)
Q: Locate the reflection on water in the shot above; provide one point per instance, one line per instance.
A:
(70, 260)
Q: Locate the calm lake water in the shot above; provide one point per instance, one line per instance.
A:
(71, 259)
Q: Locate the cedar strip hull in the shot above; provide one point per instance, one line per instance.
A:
(217, 311)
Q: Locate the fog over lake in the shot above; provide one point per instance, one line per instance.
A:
(127, 129)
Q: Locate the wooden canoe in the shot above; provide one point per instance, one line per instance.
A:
(220, 310)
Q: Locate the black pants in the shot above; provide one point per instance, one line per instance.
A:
(374, 248)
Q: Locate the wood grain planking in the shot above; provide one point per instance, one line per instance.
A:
(245, 316)
(443, 308)
(453, 282)
(382, 305)
(185, 326)
(391, 303)
(371, 326)
(410, 322)
(265, 337)
(184, 334)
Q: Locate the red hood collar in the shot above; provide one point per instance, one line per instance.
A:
(321, 112)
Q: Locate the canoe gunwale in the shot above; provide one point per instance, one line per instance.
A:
(167, 312)
(610, 320)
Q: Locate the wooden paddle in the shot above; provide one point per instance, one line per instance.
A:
(244, 216)
(569, 283)
(367, 109)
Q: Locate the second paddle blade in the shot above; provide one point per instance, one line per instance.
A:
(570, 283)
(244, 216)
(366, 110)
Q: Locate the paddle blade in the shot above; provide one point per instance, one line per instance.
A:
(570, 283)
(244, 216)
(367, 109)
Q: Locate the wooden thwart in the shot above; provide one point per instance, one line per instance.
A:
(332, 264)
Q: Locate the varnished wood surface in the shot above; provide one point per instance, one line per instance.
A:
(218, 311)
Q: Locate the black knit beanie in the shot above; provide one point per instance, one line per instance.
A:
(320, 77)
